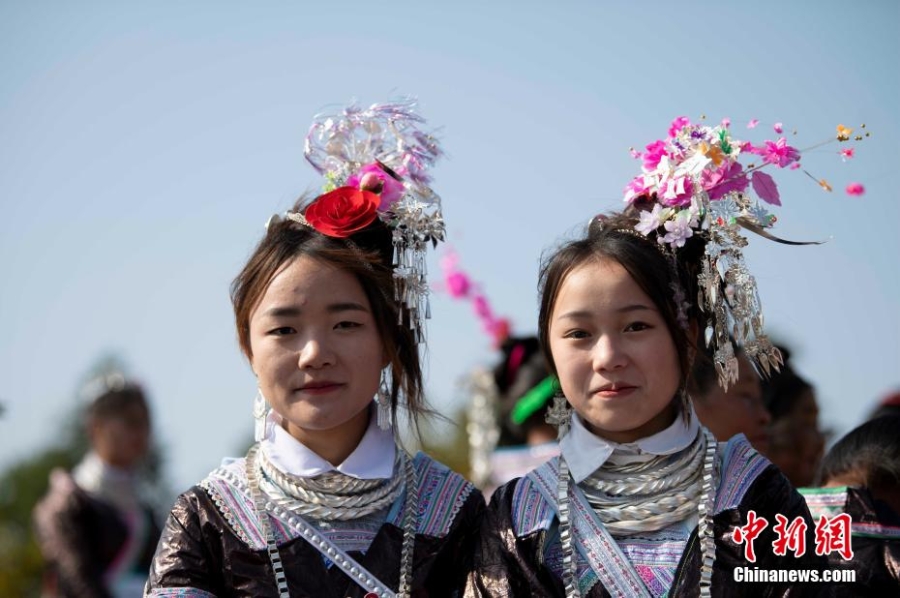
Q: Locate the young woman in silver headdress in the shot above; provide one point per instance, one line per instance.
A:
(329, 313)
(643, 501)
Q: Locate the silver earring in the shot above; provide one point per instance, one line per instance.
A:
(559, 414)
(383, 400)
(684, 400)
(260, 412)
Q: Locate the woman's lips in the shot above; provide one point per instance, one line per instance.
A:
(615, 392)
(320, 388)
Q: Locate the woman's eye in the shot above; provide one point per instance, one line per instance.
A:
(346, 325)
(576, 334)
(282, 331)
(637, 326)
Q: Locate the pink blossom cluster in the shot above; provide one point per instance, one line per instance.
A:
(698, 164)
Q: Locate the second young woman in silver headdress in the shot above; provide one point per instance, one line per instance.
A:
(643, 501)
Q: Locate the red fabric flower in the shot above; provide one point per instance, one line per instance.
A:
(342, 212)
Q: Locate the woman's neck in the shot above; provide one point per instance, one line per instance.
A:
(335, 444)
(656, 424)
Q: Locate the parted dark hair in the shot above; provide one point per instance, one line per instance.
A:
(367, 255)
(871, 450)
(612, 237)
(116, 403)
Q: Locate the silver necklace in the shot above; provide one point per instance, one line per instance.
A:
(348, 565)
(704, 527)
(634, 498)
(332, 496)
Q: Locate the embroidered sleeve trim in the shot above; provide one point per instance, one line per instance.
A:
(740, 466)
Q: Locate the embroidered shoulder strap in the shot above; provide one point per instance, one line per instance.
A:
(442, 493)
(530, 512)
(227, 487)
(824, 501)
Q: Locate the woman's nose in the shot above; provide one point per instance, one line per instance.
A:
(608, 354)
(315, 354)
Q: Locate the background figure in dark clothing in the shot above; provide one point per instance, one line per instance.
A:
(797, 443)
(861, 477)
(96, 533)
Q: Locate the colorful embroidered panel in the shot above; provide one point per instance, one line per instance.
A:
(740, 465)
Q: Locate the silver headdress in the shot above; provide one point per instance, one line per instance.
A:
(693, 182)
(108, 376)
(379, 157)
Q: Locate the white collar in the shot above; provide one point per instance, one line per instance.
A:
(373, 457)
(585, 452)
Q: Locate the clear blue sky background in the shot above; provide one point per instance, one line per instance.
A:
(144, 145)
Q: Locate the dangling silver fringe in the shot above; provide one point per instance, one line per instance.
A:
(383, 400)
(260, 412)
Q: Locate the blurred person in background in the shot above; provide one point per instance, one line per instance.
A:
(738, 410)
(507, 430)
(510, 436)
(797, 444)
(861, 477)
(95, 529)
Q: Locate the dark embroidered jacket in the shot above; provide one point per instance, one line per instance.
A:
(212, 544)
(875, 538)
(519, 553)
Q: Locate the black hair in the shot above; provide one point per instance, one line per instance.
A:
(871, 450)
(782, 390)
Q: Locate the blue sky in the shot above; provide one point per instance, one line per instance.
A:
(143, 147)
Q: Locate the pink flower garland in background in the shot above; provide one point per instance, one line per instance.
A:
(460, 286)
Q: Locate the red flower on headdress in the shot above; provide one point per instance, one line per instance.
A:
(342, 212)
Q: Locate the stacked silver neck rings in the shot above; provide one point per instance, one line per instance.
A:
(647, 496)
(332, 497)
